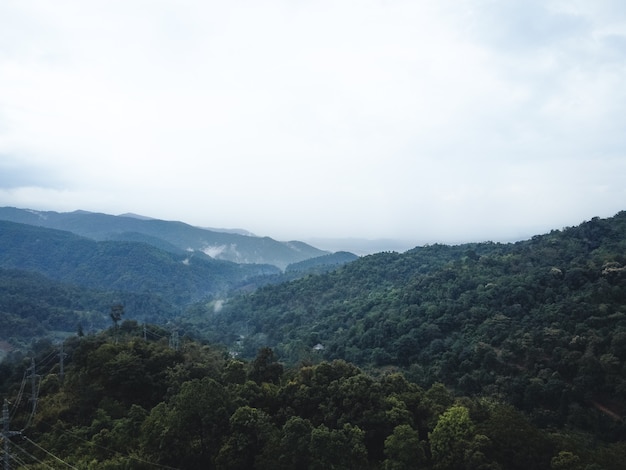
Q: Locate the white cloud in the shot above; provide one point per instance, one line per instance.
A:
(430, 120)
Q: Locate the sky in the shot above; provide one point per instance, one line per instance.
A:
(424, 120)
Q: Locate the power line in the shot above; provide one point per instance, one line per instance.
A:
(61, 364)
(35, 387)
(137, 459)
(32, 456)
(18, 399)
(47, 452)
(50, 358)
(19, 461)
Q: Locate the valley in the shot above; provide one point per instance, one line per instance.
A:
(364, 352)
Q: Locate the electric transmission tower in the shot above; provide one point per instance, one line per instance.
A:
(6, 434)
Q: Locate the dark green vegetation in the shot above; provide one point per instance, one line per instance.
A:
(322, 264)
(33, 306)
(174, 237)
(53, 281)
(478, 356)
(539, 323)
(128, 403)
(120, 266)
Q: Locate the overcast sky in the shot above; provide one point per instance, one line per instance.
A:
(432, 121)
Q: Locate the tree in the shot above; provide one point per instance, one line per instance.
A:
(337, 448)
(454, 443)
(403, 449)
(251, 430)
(117, 311)
(265, 367)
(516, 443)
(565, 461)
(294, 443)
(187, 432)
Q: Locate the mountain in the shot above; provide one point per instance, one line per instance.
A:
(483, 355)
(171, 236)
(34, 307)
(125, 266)
(540, 322)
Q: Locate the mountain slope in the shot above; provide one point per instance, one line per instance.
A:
(34, 307)
(120, 266)
(167, 234)
(540, 322)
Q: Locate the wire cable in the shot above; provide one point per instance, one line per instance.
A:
(137, 459)
(34, 410)
(46, 360)
(49, 453)
(32, 456)
(19, 461)
(18, 399)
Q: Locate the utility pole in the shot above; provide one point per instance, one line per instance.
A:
(6, 434)
(33, 385)
(174, 340)
(61, 364)
(145, 333)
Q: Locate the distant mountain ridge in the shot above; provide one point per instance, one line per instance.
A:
(123, 266)
(172, 236)
(322, 264)
(60, 270)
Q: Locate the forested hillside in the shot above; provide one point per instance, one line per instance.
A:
(122, 266)
(33, 307)
(53, 282)
(129, 399)
(540, 324)
(477, 356)
(172, 236)
(322, 264)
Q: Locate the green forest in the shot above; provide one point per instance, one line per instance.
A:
(128, 398)
(474, 356)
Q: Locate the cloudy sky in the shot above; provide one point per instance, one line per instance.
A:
(431, 121)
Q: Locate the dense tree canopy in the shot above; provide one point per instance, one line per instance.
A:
(480, 356)
(541, 323)
(141, 404)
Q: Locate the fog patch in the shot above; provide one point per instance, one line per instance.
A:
(214, 251)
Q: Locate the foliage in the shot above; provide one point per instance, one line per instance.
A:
(120, 265)
(403, 449)
(322, 264)
(540, 323)
(481, 356)
(136, 404)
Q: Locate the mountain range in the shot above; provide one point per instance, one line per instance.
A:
(172, 236)
(60, 272)
(518, 348)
